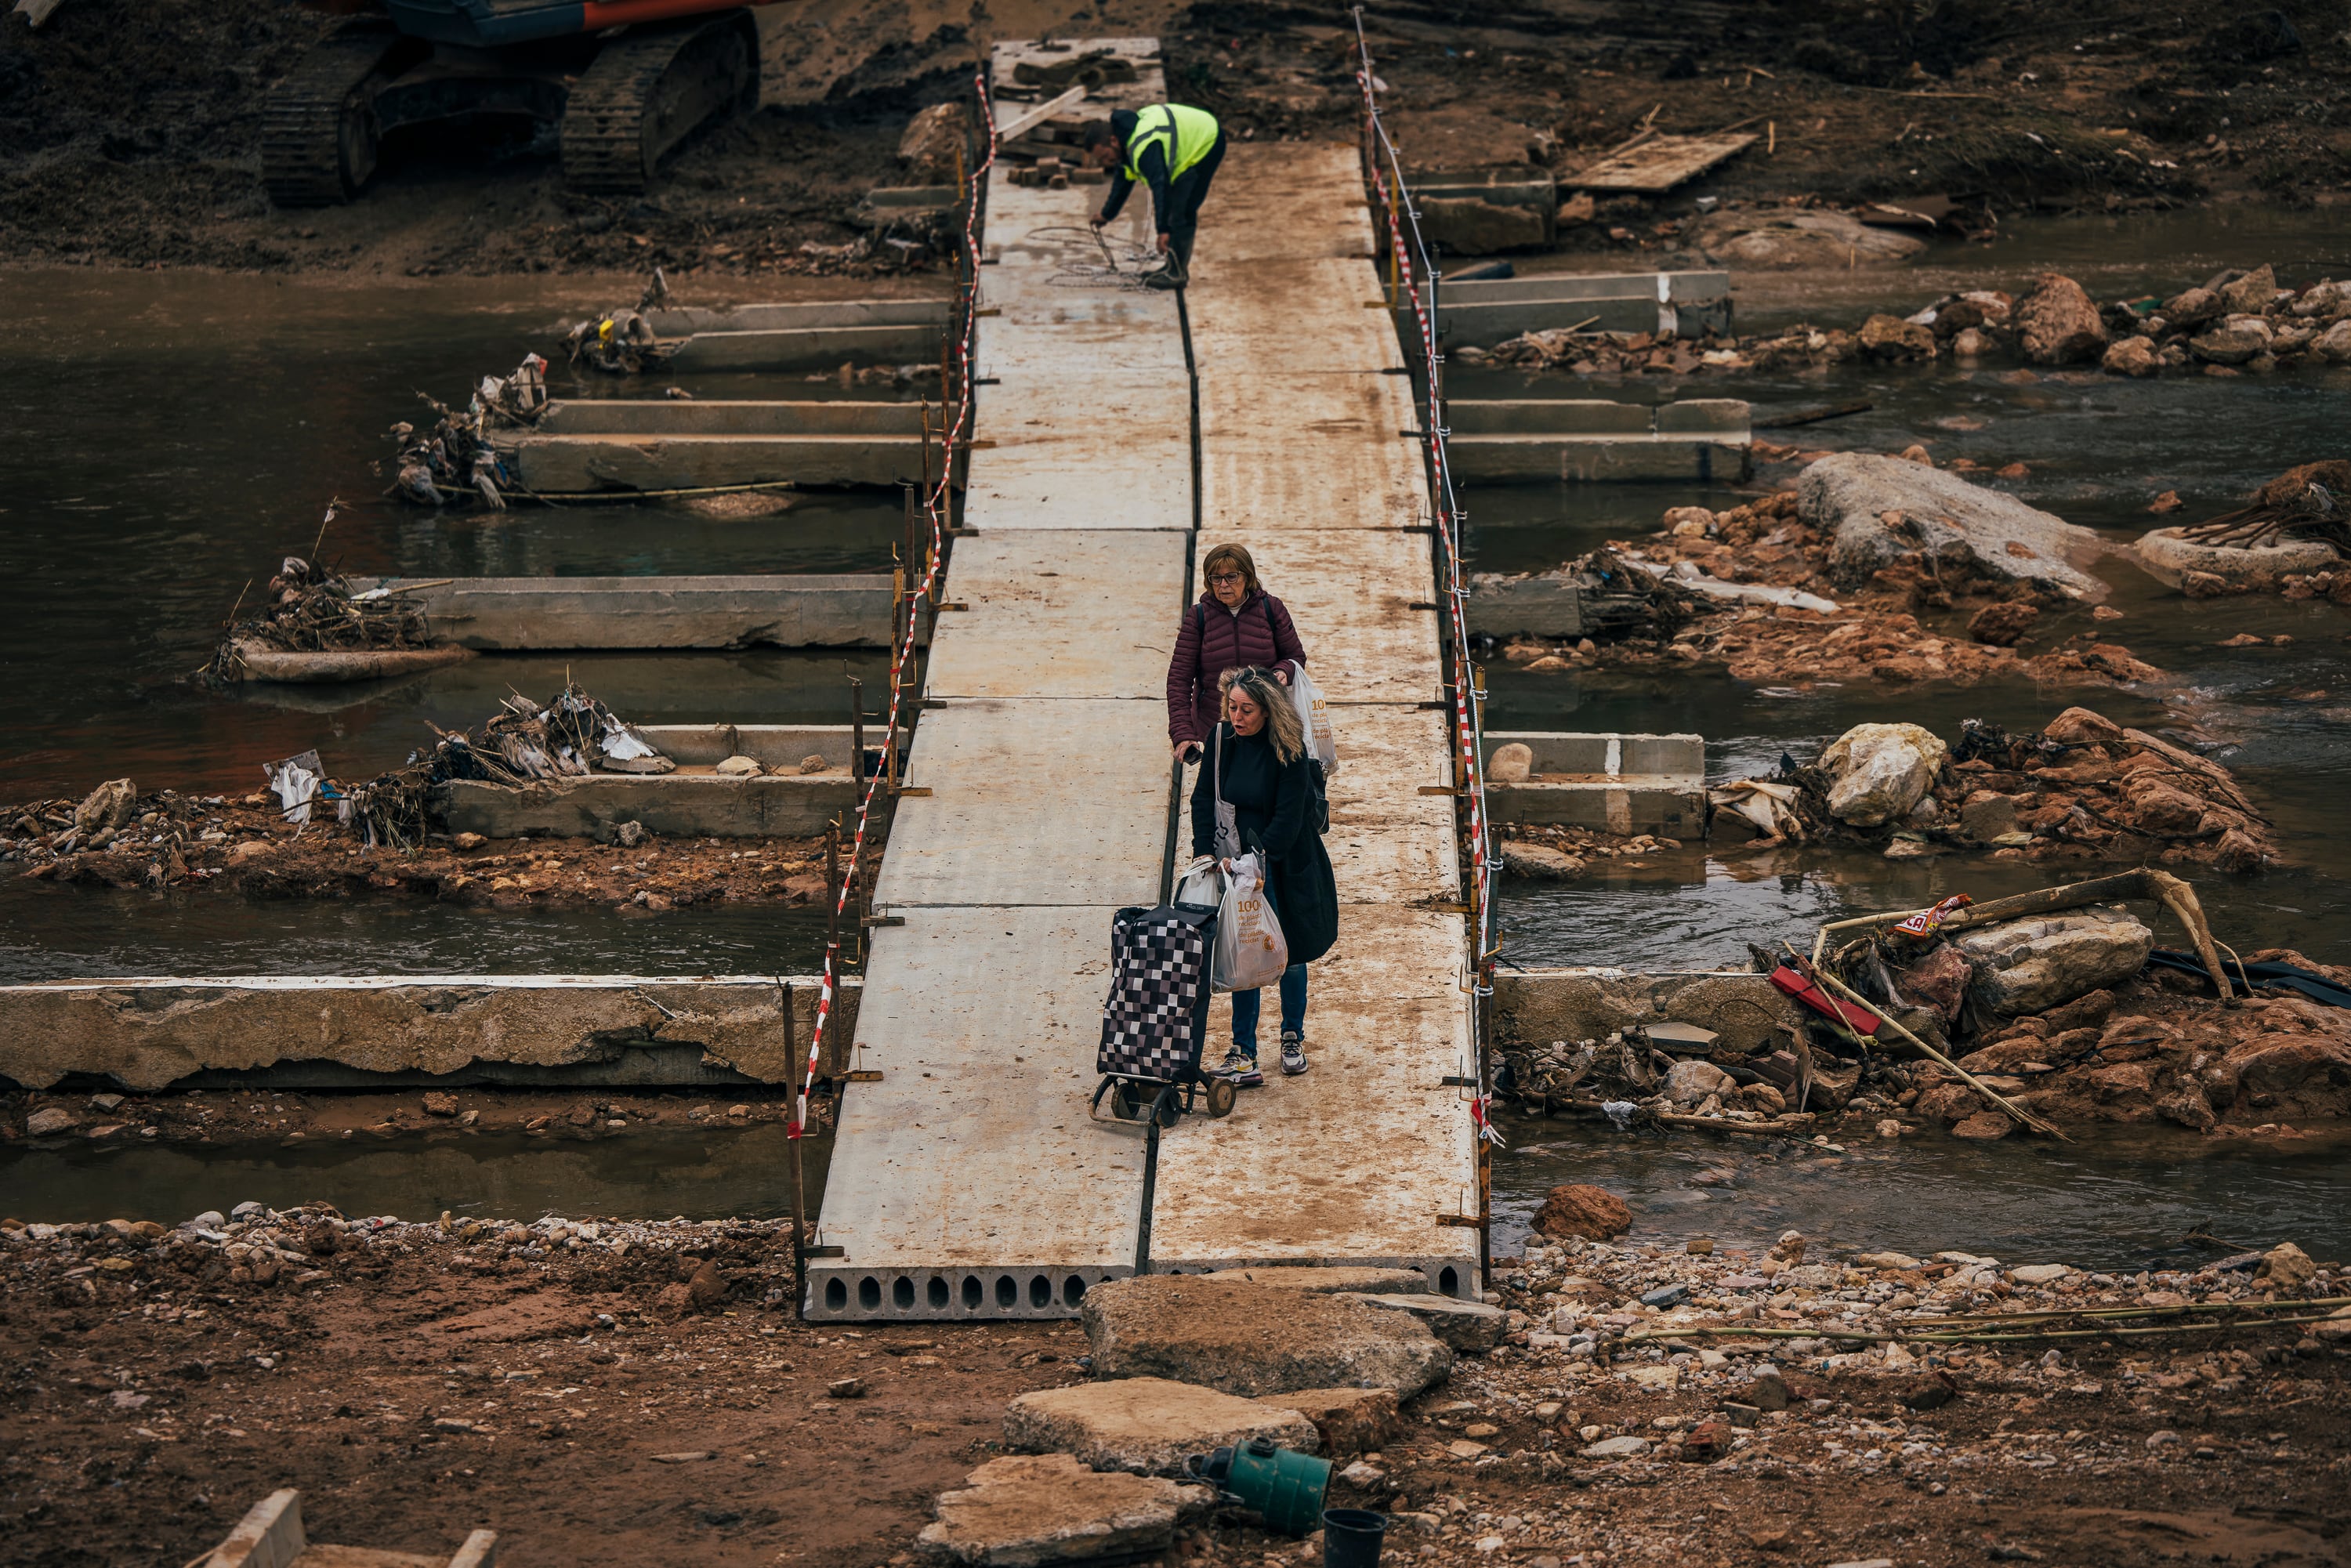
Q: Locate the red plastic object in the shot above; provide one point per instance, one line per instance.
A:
(1858, 1018)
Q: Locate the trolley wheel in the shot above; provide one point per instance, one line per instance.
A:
(1222, 1093)
(1168, 1107)
(1121, 1103)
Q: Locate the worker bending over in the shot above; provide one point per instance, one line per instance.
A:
(1173, 148)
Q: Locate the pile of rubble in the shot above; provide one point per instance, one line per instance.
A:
(620, 341)
(454, 463)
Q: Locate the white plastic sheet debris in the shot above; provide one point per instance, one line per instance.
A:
(295, 782)
(1768, 806)
(1688, 573)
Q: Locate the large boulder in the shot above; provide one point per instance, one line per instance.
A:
(1878, 510)
(1880, 771)
(1028, 1511)
(1787, 242)
(2030, 966)
(1579, 1209)
(1146, 1425)
(2058, 323)
(1254, 1339)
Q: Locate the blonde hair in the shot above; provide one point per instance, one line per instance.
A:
(1236, 555)
(1282, 726)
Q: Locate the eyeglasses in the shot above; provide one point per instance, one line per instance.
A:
(1221, 578)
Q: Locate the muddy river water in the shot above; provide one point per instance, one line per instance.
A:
(167, 436)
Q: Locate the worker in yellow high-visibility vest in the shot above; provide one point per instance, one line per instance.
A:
(1173, 148)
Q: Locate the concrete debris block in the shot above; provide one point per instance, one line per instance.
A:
(46, 1121)
(1468, 225)
(1349, 1420)
(1691, 1081)
(1579, 1209)
(2286, 1267)
(106, 808)
(1024, 1511)
(1879, 510)
(1472, 1328)
(1615, 1448)
(2170, 560)
(739, 767)
(1540, 862)
(935, 147)
(2058, 324)
(1147, 1424)
(1881, 771)
(2022, 966)
(1254, 1339)
(1330, 1280)
(1510, 764)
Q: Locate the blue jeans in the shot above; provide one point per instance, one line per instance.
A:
(1293, 1010)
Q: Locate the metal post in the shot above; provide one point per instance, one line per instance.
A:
(832, 885)
(856, 732)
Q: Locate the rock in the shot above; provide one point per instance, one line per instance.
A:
(440, 1103)
(2251, 294)
(251, 849)
(1886, 1261)
(1348, 1420)
(2003, 625)
(1968, 343)
(2229, 345)
(1767, 1390)
(466, 841)
(844, 1387)
(2038, 1273)
(1783, 241)
(1985, 816)
(1471, 1328)
(628, 835)
(683, 1457)
(1578, 1210)
(1028, 1510)
(1213, 1331)
(1510, 764)
(738, 767)
(935, 144)
(2333, 345)
(2030, 966)
(2057, 323)
(1878, 510)
(1881, 771)
(106, 808)
(1330, 1281)
(1147, 1424)
(1615, 1448)
(2187, 1107)
(2286, 1267)
(2132, 357)
(2172, 560)
(1688, 522)
(2192, 307)
(1926, 1393)
(46, 1121)
(1983, 1127)
(1892, 338)
(1691, 1080)
(1470, 225)
(707, 1288)
(1540, 861)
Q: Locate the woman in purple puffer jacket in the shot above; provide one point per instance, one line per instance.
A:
(1237, 624)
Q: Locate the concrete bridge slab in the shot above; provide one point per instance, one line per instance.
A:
(1085, 449)
(1285, 450)
(1052, 614)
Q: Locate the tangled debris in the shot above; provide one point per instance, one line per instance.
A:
(573, 734)
(2310, 500)
(454, 463)
(310, 609)
(621, 342)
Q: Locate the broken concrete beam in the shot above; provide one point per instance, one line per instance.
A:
(1471, 1328)
(1348, 1420)
(510, 613)
(147, 1034)
(1255, 1339)
(806, 337)
(640, 445)
(258, 662)
(1329, 1281)
(1589, 440)
(1146, 1425)
(1488, 312)
(1031, 1511)
(1536, 1007)
(1611, 783)
(688, 803)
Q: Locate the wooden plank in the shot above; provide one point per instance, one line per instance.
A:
(1660, 163)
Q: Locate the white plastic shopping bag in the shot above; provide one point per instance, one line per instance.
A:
(1250, 950)
(1314, 719)
(1202, 885)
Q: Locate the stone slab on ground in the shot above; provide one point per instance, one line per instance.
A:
(1349, 1420)
(1148, 1424)
(1471, 1328)
(1850, 496)
(1256, 1339)
(1330, 1280)
(1027, 1511)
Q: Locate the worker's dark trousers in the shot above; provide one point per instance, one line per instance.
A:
(1185, 194)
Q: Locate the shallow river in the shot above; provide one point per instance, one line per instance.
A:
(168, 436)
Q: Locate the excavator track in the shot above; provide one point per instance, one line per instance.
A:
(647, 91)
(318, 133)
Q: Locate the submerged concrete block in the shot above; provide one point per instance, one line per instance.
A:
(814, 611)
(643, 445)
(148, 1034)
(1608, 782)
(1586, 440)
(1487, 312)
(1535, 1007)
(685, 804)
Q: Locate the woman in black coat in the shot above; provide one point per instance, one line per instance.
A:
(1257, 765)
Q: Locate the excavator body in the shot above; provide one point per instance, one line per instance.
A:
(623, 81)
